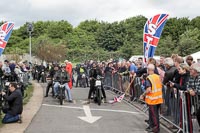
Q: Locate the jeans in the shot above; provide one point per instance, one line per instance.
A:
(8, 118)
(66, 87)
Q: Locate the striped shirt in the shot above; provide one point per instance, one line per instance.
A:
(194, 83)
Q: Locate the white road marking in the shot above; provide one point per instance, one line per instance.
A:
(106, 110)
(89, 118)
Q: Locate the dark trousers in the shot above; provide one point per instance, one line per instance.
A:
(77, 80)
(198, 115)
(8, 118)
(87, 82)
(92, 89)
(50, 84)
(154, 117)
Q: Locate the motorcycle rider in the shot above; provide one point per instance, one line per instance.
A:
(52, 72)
(40, 69)
(93, 73)
(80, 71)
(62, 75)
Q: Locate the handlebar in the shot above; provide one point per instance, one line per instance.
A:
(63, 81)
(98, 78)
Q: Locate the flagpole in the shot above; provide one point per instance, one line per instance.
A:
(128, 88)
(30, 29)
(30, 60)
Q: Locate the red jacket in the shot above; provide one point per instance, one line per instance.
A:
(69, 69)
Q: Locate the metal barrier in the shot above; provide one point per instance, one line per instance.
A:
(24, 78)
(176, 108)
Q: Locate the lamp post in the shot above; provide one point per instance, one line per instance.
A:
(30, 29)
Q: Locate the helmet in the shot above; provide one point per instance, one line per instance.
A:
(63, 65)
(94, 64)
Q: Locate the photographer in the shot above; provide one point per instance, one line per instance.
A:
(13, 112)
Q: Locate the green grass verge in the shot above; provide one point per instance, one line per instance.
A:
(28, 95)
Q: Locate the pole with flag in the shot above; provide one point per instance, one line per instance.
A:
(152, 32)
(120, 98)
(5, 32)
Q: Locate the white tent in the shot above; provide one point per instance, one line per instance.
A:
(135, 57)
(196, 56)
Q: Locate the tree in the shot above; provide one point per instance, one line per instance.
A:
(189, 42)
(40, 28)
(109, 36)
(58, 29)
(50, 52)
(166, 46)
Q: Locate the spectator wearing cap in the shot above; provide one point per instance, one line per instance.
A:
(194, 86)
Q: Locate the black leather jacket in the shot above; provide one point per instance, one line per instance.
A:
(62, 76)
(94, 72)
(15, 102)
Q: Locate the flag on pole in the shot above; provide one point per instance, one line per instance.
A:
(117, 99)
(120, 98)
(5, 32)
(152, 32)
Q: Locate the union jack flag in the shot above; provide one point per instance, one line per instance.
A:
(152, 32)
(117, 99)
(5, 32)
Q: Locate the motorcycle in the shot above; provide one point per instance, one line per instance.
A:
(98, 90)
(43, 76)
(82, 81)
(61, 92)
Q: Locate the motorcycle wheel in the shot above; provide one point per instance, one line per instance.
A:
(61, 96)
(99, 96)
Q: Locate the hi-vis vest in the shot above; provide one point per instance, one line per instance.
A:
(155, 96)
(81, 70)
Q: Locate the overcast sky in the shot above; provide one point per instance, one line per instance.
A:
(75, 11)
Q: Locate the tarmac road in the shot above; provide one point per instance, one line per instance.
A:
(71, 117)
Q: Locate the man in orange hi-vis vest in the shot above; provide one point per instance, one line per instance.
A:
(69, 69)
(153, 98)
